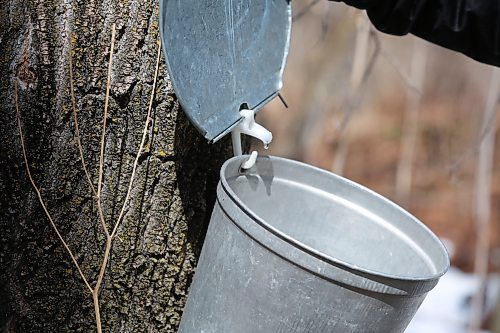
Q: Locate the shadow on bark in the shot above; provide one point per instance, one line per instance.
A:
(197, 164)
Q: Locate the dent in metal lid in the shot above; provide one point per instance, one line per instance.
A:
(224, 54)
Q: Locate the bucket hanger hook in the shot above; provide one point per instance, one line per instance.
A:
(248, 126)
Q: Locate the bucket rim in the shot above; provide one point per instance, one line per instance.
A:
(320, 255)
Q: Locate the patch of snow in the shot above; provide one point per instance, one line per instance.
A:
(447, 308)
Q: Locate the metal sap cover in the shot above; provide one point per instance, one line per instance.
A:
(223, 55)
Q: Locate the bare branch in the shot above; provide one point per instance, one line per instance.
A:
(97, 288)
(78, 140)
(474, 148)
(109, 239)
(398, 67)
(144, 134)
(106, 103)
(97, 312)
(102, 270)
(18, 116)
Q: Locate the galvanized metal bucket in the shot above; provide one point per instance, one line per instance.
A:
(292, 248)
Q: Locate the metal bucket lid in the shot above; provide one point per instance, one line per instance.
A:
(222, 55)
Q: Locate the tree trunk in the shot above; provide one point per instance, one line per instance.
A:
(152, 261)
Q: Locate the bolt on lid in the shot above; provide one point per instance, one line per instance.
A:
(224, 55)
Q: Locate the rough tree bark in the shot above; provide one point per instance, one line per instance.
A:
(152, 263)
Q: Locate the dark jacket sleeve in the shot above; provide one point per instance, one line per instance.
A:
(468, 26)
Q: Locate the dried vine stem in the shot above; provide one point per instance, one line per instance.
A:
(107, 250)
(141, 146)
(75, 119)
(106, 103)
(110, 237)
(97, 193)
(78, 137)
(37, 190)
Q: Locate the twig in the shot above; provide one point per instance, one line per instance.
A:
(394, 62)
(483, 202)
(97, 194)
(474, 148)
(97, 287)
(110, 237)
(78, 139)
(141, 146)
(109, 240)
(106, 102)
(97, 311)
(18, 116)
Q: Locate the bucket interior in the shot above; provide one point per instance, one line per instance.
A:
(340, 219)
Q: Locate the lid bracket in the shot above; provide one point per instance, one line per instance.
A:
(248, 126)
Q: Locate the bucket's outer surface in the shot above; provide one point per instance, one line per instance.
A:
(292, 248)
